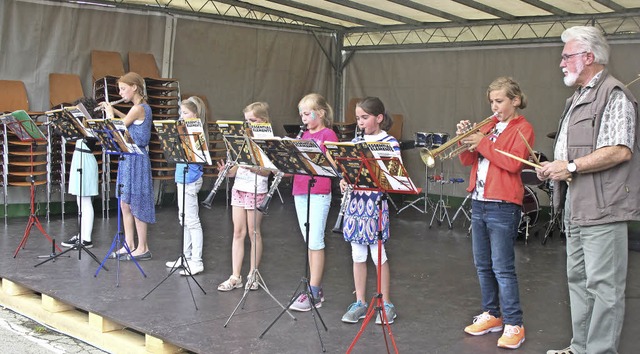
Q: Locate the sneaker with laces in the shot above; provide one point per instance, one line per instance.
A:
(355, 312)
(194, 268)
(303, 303)
(174, 264)
(390, 311)
(566, 350)
(72, 242)
(483, 324)
(512, 337)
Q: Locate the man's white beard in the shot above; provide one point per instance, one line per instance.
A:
(572, 77)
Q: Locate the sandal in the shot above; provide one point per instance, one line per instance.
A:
(234, 282)
(252, 281)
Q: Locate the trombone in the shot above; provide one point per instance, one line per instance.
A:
(429, 156)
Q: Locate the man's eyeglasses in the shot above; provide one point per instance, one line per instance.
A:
(565, 57)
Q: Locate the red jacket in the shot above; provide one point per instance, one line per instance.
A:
(503, 178)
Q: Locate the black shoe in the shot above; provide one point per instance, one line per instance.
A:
(74, 240)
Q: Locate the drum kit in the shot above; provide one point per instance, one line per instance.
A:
(530, 205)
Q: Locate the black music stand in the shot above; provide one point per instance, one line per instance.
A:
(116, 140)
(303, 157)
(245, 152)
(179, 147)
(26, 130)
(68, 124)
(373, 166)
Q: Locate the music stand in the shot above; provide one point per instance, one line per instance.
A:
(116, 140)
(245, 152)
(182, 142)
(26, 130)
(373, 166)
(68, 124)
(303, 157)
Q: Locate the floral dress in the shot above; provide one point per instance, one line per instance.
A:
(134, 173)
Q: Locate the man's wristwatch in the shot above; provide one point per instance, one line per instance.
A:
(571, 167)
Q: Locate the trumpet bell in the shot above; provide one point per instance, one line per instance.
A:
(427, 157)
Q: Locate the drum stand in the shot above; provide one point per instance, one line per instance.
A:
(463, 209)
(441, 207)
(555, 220)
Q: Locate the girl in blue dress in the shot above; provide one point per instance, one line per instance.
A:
(134, 185)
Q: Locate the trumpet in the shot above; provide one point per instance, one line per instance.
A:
(264, 206)
(429, 156)
(344, 203)
(221, 176)
(112, 103)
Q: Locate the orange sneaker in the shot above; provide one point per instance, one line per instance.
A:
(512, 337)
(483, 324)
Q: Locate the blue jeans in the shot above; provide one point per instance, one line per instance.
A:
(494, 229)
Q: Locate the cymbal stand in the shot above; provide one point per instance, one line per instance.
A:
(555, 220)
(440, 209)
(257, 277)
(428, 204)
(464, 210)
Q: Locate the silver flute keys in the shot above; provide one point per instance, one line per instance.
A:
(264, 206)
(344, 203)
(209, 200)
(112, 103)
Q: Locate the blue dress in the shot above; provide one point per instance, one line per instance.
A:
(134, 173)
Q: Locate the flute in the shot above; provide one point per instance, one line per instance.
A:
(264, 207)
(112, 103)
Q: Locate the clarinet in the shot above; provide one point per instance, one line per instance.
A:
(346, 196)
(221, 176)
(264, 207)
(303, 128)
(344, 203)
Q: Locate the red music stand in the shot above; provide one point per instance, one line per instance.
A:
(373, 166)
(26, 130)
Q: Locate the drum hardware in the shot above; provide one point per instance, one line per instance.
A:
(429, 156)
(529, 213)
(440, 209)
(463, 209)
(528, 175)
(555, 217)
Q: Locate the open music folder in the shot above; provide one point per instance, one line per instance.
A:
(183, 141)
(68, 121)
(297, 156)
(372, 165)
(21, 124)
(114, 136)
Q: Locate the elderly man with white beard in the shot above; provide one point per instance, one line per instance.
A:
(596, 161)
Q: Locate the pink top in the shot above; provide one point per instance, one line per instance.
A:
(323, 184)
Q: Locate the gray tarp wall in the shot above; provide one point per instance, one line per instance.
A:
(233, 65)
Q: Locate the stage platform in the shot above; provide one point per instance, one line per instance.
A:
(433, 286)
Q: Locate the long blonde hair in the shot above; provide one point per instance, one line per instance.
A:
(259, 109)
(318, 103)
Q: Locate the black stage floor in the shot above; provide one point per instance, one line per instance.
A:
(433, 286)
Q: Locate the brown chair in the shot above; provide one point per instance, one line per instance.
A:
(64, 88)
(106, 64)
(13, 97)
(144, 64)
(350, 114)
(396, 128)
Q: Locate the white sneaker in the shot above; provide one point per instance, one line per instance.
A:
(194, 268)
(174, 264)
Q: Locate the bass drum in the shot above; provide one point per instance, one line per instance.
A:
(528, 175)
(530, 210)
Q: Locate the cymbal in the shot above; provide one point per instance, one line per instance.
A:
(552, 135)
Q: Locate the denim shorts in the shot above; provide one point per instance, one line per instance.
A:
(320, 204)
